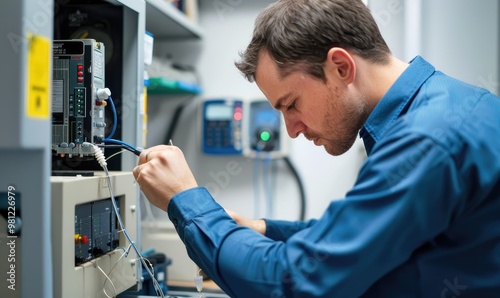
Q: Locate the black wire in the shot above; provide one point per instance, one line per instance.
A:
(133, 150)
(173, 124)
(110, 146)
(178, 111)
(301, 187)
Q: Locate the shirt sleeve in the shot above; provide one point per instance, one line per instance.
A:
(359, 239)
(281, 230)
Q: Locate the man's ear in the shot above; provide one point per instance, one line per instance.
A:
(340, 64)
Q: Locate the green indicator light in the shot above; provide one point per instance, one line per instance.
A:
(265, 136)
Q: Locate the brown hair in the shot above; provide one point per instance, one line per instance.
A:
(298, 34)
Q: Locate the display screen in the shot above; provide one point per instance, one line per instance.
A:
(219, 112)
(270, 118)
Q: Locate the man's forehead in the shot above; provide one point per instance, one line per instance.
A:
(266, 66)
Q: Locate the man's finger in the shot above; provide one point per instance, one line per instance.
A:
(143, 156)
(136, 171)
(146, 154)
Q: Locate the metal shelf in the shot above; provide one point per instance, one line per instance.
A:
(164, 20)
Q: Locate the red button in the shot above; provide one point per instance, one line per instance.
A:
(80, 73)
(85, 240)
(79, 79)
(79, 67)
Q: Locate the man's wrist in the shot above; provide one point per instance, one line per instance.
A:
(259, 225)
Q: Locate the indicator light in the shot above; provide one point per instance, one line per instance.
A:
(238, 116)
(265, 136)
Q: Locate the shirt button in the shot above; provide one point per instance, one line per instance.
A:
(176, 223)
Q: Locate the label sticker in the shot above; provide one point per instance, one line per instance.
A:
(38, 77)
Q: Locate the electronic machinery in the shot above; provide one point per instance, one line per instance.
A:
(235, 127)
(264, 130)
(79, 96)
(222, 121)
(243, 127)
(91, 255)
(119, 26)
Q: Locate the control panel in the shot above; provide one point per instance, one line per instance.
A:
(222, 126)
(265, 131)
(96, 230)
(78, 112)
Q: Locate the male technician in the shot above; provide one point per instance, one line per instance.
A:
(423, 219)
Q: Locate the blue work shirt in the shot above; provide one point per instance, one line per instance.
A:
(422, 220)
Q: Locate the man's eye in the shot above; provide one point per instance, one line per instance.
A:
(290, 106)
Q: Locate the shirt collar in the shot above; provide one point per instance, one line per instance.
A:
(395, 101)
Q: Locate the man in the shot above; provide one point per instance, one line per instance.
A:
(423, 219)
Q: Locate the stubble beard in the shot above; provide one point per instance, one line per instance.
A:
(346, 129)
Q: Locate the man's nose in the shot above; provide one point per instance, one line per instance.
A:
(293, 127)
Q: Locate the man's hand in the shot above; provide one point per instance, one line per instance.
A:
(162, 172)
(258, 225)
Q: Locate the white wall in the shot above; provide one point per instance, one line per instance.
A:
(389, 15)
(462, 38)
(459, 37)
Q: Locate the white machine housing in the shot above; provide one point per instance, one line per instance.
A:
(86, 280)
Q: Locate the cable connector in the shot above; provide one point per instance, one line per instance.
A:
(99, 155)
(103, 93)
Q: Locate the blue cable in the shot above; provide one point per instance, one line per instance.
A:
(267, 184)
(115, 118)
(256, 188)
(124, 144)
(110, 139)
